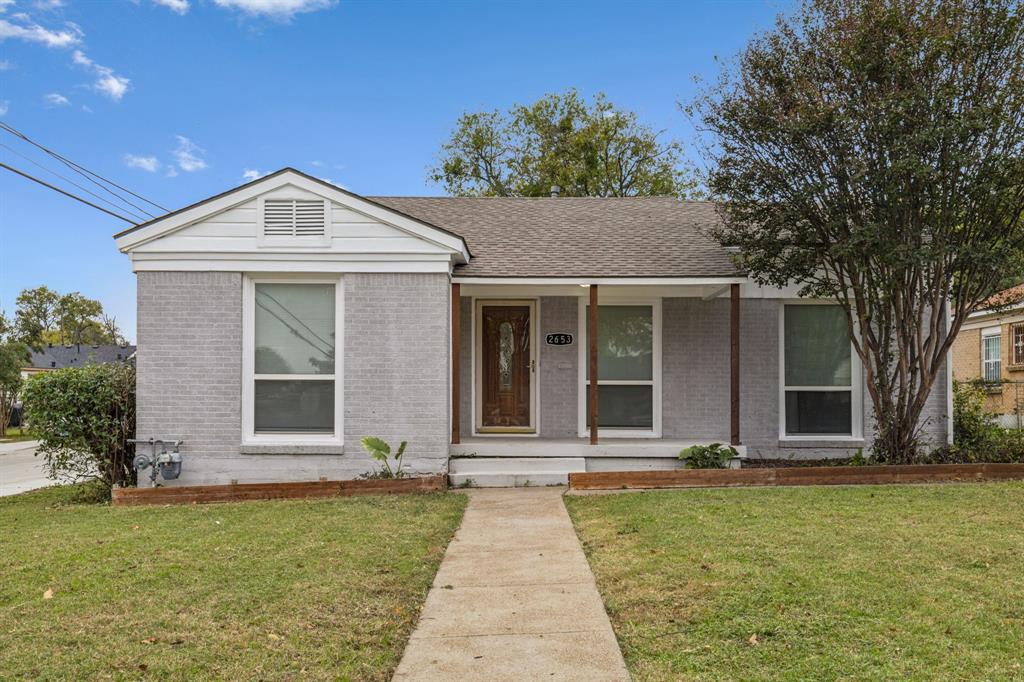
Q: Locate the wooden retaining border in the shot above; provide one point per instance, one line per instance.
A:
(838, 475)
(239, 492)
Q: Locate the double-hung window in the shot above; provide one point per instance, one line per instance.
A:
(992, 354)
(1017, 337)
(819, 395)
(293, 381)
(627, 369)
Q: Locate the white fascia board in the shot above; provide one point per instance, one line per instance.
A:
(292, 264)
(608, 281)
(161, 227)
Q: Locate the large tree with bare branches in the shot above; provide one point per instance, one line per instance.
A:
(873, 151)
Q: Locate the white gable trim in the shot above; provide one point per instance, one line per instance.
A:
(131, 239)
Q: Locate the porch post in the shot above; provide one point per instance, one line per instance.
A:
(592, 343)
(456, 369)
(734, 364)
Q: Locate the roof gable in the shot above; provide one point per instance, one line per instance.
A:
(230, 223)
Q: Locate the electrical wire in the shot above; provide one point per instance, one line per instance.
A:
(72, 182)
(85, 172)
(66, 193)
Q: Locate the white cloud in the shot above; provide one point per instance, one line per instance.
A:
(179, 6)
(250, 174)
(317, 164)
(86, 109)
(4, 4)
(280, 9)
(172, 172)
(48, 4)
(189, 155)
(34, 33)
(107, 82)
(5, 65)
(150, 164)
(5, 106)
(55, 99)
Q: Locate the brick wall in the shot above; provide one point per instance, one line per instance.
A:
(190, 367)
(558, 368)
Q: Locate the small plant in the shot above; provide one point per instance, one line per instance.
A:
(380, 451)
(714, 456)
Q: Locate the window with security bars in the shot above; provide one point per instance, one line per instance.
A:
(1017, 337)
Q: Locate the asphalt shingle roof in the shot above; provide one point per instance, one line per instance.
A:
(577, 236)
(58, 357)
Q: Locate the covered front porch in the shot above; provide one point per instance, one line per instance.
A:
(666, 354)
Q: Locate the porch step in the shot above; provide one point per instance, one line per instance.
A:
(511, 472)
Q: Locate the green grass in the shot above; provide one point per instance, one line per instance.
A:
(853, 583)
(17, 434)
(325, 589)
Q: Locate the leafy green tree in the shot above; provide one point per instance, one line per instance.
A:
(873, 152)
(77, 316)
(36, 314)
(14, 355)
(585, 149)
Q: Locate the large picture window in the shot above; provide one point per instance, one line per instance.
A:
(992, 354)
(291, 361)
(627, 391)
(819, 397)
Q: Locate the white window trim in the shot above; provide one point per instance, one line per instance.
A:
(655, 381)
(856, 385)
(990, 333)
(262, 240)
(249, 435)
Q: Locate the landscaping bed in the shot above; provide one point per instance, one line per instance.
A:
(814, 583)
(305, 589)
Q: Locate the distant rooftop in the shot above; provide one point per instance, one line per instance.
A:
(1005, 297)
(59, 357)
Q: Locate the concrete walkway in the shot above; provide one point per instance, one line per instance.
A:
(20, 469)
(514, 599)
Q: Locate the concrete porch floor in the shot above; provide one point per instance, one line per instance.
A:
(531, 446)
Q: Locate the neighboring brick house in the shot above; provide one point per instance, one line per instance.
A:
(283, 320)
(991, 347)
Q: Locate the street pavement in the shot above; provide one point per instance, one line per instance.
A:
(20, 469)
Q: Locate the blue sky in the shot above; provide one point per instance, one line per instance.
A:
(178, 99)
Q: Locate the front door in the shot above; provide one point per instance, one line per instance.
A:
(506, 367)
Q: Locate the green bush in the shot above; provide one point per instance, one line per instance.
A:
(977, 437)
(380, 451)
(83, 417)
(714, 456)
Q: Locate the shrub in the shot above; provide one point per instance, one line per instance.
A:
(977, 437)
(380, 451)
(714, 456)
(83, 417)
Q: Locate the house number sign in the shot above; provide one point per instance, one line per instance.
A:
(559, 339)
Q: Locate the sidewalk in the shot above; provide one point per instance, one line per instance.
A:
(20, 469)
(514, 599)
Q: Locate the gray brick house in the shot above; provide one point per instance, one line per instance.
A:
(283, 320)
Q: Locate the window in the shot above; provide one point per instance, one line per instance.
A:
(627, 394)
(992, 354)
(292, 369)
(1017, 335)
(819, 396)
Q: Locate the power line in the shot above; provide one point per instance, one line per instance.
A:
(65, 193)
(83, 171)
(70, 182)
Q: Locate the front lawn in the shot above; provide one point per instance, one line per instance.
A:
(823, 583)
(17, 434)
(325, 589)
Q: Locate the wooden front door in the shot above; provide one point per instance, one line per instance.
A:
(506, 367)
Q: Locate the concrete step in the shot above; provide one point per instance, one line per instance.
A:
(507, 480)
(514, 465)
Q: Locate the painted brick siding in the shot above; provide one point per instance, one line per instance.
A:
(189, 366)
(558, 368)
(466, 367)
(397, 365)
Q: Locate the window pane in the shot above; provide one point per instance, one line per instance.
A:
(629, 407)
(818, 351)
(294, 329)
(625, 342)
(294, 406)
(992, 355)
(1018, 344)
(818, 412)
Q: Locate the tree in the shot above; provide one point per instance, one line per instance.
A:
(76, 316)
(873, 152)
(14, 355)
(586, 150)
(36, 314)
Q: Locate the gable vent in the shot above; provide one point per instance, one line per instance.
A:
(294, 218)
